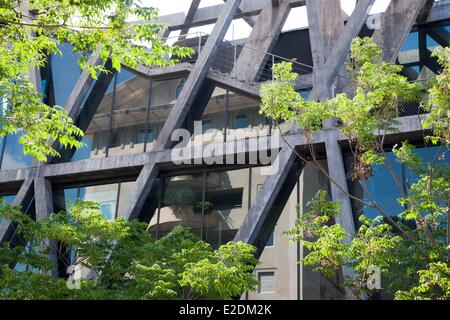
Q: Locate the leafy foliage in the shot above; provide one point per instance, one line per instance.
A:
(121, 260)
(438, 104)
(411, 250)
(88, 26)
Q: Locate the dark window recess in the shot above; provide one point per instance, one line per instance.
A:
(179, 88)
(206, 125)
(116, 138)
(270, 240)
(141, 136)
(240, 121)
(226, 199)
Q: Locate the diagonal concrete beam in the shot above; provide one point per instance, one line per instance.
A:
(339, 51)
(262, 39)
(182, 105)
(23, 199)
(197, 75)
(209, 15)
(246, 18)
(261, 210)
(81, 89)
(190, 15)
(396, 24)
(325, 25)
(424, 13)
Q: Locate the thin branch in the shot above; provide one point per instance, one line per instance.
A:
(371, 204)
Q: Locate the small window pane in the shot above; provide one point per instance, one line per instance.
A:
(270, 240)
(206, 125)
(141, 136)
(240, 121)
(266, 282)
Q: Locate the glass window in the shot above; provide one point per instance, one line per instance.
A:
(227, 203)
(213, 116)
(179, 88)
(129, 115)
(13, 156)
(181, 205)
(9, 200)
(108, 209)
(305, 94)
(270, 240)
(411, 42)
(105, 195)
(65, 73)
(266, 282)
(206, 125)
(228, 113)
(382, 187)
(144, 136)
(240, 121)
(119, 133)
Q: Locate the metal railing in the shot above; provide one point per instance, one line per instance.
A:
(413, 108)
(230, 63)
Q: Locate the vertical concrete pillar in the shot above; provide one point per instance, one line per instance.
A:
(44, 208)
(336, 170)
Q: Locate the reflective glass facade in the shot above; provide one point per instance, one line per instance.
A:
(382, 186)
(108, 196)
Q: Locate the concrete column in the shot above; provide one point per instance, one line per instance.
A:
(43, 197)
(190, 15)
(44, 208)
(262, 39)
(336, 171)
(396, 23)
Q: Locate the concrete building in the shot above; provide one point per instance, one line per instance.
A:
(129, 117)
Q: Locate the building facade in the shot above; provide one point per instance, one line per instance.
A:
(257, 187)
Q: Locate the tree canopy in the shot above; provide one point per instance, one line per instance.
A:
(117, 259)
(410, 249)
(32, 30)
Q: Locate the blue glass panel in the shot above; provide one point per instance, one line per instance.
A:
(383, 189)
(240, 121)
(381, 184)
(206, 125)
(85, 151)
(106, 195)
(123, 76)
(411, 42)
(9, 200)
(141, 136)
(13, 157)
(71, 196)
(431, 43)
(65, 72)
(305, 94)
